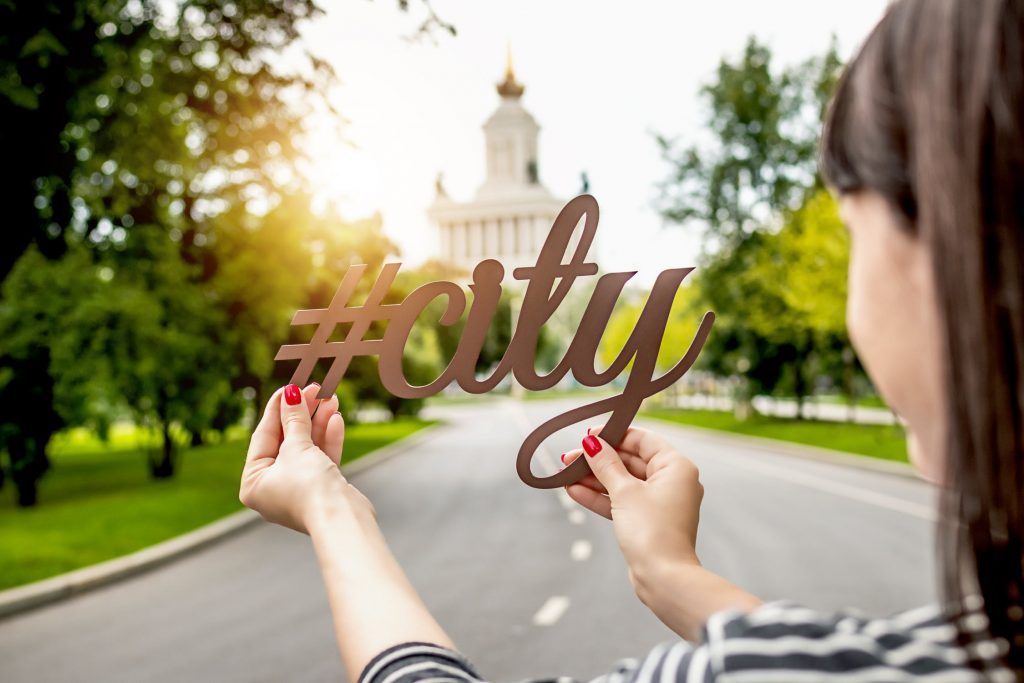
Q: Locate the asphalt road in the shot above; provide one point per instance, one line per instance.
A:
(525, 583)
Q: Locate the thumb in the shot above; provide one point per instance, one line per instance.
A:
(295, 417)
(606, 464)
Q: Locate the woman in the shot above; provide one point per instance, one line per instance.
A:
(924, 148)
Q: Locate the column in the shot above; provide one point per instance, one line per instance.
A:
(444, 232)
(492, 239)
(540, 231)
(458, 242)
(473, 250)
(523, 230)
(507, 230)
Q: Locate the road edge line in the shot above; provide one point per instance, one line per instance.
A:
(62, 586)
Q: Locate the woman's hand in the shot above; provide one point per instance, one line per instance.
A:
(653, 494)
(291, 477)
(291, 471)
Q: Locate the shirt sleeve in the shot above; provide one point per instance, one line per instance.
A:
(676, 662)
(778, 642)
(417, 662)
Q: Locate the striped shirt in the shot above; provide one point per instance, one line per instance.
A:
(778, 642)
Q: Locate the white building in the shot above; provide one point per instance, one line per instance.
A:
(511, 212)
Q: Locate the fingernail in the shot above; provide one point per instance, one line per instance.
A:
(314, 384)
(292, 395)
(562, 456)
(591, 445)
(338, 413)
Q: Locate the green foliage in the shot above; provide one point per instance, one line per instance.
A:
(774, 264)
(683, 320)
(764, 126)
(161, 233)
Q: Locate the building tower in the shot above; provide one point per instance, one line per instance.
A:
(511, 212)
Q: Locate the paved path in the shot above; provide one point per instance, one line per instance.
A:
(525, 584)
(781, 407)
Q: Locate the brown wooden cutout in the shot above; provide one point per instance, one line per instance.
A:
(549, 281)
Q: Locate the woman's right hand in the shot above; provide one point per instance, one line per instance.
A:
(652, 495)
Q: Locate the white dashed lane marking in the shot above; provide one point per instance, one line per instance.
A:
(551, 611)
(581, 550)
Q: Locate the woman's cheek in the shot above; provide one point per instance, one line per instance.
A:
(856, 316)
(874, 318)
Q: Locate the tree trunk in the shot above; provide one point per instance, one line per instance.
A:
(197, 439)
(162, 467)
(28, 464)
(743, 401)
(799, 388)
(800, 384)
(28, 493)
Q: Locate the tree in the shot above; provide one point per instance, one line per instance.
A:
(814, 245)
(796, 288)
(758, 167)
(683, 320)
(152, 138)
(762, 158)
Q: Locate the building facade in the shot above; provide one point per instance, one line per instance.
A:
(511, 213)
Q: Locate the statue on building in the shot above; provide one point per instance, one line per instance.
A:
(532, 175)
(584, 183)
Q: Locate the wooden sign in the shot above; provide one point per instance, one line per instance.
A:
(549, 281)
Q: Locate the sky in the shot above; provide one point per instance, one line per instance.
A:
(601, 79)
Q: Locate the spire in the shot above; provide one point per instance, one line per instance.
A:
(509, 87)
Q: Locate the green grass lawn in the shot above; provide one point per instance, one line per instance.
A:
(878, 441)
(98, 501)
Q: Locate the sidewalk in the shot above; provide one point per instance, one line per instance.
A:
(829, 412)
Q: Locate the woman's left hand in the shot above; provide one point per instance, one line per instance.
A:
(291, 477)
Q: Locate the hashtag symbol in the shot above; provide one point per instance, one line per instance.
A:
(340, 312)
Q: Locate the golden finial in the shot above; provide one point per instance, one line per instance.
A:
(509, 87)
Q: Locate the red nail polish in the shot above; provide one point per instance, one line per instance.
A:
(591, 445)
(292, 395)
(562, 456)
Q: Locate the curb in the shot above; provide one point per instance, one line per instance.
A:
(796, 450)
(63, 586)
(22, 598)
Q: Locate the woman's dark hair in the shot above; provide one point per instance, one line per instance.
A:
(930, 115)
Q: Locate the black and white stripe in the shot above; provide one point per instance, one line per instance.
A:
(418, 662)
(780, 642)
